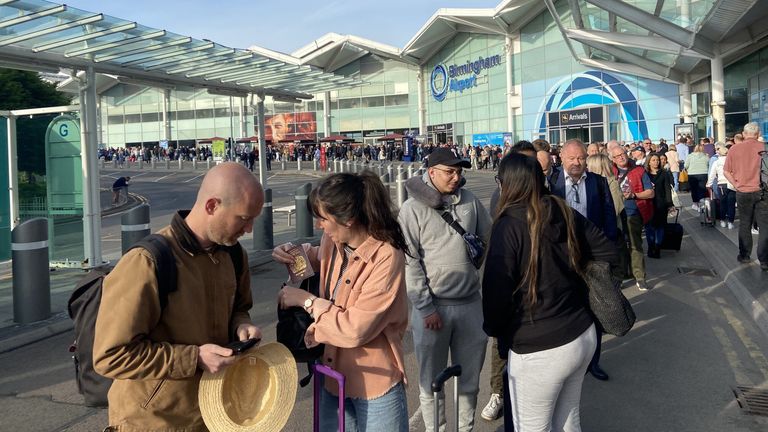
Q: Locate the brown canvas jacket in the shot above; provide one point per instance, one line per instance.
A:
(152, 354)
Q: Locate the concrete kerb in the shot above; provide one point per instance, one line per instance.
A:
(738, 277)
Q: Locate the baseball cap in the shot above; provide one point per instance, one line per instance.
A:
(639, 148)
(443, 156)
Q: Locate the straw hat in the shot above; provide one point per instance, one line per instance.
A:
(257, 393)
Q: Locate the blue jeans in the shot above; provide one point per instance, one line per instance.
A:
(386, 413)
(676, 177)
(654, 235)
(727, 204)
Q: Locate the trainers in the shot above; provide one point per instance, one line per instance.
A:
(493, 410)
(641, 285)
(722, 224)
(695, 207)
(730, 225)
(743, 260)
(755, 231)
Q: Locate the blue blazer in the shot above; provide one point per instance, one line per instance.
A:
(600, 209)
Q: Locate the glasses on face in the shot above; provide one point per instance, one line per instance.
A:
(451, 172)
(619, 156)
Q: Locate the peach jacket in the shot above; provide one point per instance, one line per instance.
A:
(363, 328)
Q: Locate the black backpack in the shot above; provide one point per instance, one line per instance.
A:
(84, 304)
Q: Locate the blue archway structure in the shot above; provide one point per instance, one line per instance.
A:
(596, 88)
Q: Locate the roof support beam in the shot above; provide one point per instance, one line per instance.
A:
(109, 45)
(21, 37)
(576, 13)
(426, 41)
(622, 68)
(86, 37)
(144, 52)
(32, 16)
(632, 58)
(244, 56)
(657, 25)
(462, 21)
(651, 43)
(152, 58)
(174, 62)
(218, 73)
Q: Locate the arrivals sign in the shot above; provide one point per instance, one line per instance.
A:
(457, 78)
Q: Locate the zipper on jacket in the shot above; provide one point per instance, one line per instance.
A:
(153, 394)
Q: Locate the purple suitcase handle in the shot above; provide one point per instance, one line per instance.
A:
(328, 371)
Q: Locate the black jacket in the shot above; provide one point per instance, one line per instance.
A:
(561, 313)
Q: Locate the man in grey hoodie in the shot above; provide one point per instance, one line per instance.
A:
(443, 284)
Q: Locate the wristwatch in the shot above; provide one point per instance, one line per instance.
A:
(308, 303)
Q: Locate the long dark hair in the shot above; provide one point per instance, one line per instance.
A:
(522, 183)
(361, 198)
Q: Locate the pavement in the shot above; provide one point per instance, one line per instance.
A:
(702, 332)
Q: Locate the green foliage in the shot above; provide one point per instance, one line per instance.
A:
(22, 90)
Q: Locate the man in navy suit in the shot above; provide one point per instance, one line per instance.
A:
(588, 194)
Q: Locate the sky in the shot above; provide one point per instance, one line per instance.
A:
(280, 25)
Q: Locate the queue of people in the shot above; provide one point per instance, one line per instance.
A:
(380, 268)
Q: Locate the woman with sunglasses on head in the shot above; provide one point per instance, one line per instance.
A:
(534, 300)
(362, 313)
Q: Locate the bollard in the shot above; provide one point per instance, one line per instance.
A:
(141, 163)
(298, 164)
(208, 163)
(263, 235)
(282, 164)
(349, 166)
(389, 171)
(194, 164)
(314, 164)
(154, 164)
(304, 228)
(103, 163)
(167, 164)
(181, 164)
(380, 170)
(385, 179)
(410, 170)
(355, 167)
(402, 194)
(335, 165)
(114, 162)
(31, 278)
(399, 171)
(134, 226)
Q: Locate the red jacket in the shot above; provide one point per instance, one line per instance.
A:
(635, 178)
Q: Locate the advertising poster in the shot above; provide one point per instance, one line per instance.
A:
(290, 127)
(218, 148)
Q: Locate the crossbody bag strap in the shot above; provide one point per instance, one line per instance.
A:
(446, 215)
(328, 275)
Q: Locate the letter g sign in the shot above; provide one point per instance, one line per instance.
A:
(63, 130)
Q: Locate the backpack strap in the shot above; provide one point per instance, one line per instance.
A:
(446, 215)
(165, 264)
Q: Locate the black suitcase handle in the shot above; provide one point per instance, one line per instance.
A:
(445, 375)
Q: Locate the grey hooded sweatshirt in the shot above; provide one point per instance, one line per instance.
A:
(438, 270)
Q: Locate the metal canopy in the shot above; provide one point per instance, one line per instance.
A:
(333, 51)
(40, 35)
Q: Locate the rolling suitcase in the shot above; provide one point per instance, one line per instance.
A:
(329, 372)
(437, 387)
(708, 211)
(673, 234)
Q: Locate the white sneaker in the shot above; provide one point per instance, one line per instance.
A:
(695, 207)
(493, 410)
(755, 231)
(722, 224)
(730, 225)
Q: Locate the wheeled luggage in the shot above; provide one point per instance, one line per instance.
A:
(328, 372)
(673, 234)
(708, 211)
(437, 387)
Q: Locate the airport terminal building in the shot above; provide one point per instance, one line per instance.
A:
(553, 69)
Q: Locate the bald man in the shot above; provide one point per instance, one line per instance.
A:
(156, 355)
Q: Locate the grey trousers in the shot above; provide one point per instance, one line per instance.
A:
(545, 386)
(462, 335)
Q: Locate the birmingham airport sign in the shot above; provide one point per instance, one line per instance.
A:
(454, 77)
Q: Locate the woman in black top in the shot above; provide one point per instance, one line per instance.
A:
(662, 202)
(534, 300)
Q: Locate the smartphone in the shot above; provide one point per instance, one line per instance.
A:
(240, 347)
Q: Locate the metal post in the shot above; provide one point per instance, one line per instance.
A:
(335, 165)
(262, 138)
(114, 162)
(154, 163)
(89, 148)
(314, 164)
(141, 161)
(134, 226)
(410, 170)
(298, 164)
(31, 280)
(349, 166)
(13, 173)
(389, 171)
(194, 164)
(263, 235)
(167, 163)
(402, 194)
(304, 228)
(181, 163)
(208, 163)
(385, 179)
(282, 164)
(380, 170)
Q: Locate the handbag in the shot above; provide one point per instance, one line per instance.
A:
(683, 176)
(474, 244)
(611, 309)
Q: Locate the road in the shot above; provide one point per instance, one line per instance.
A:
(674, 371)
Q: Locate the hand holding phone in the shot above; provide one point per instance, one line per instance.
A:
(239, 347)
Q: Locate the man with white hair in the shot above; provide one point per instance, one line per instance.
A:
(742, 169)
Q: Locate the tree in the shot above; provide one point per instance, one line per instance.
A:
(24, 90)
